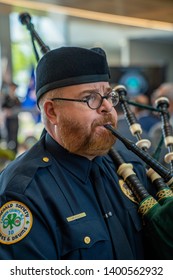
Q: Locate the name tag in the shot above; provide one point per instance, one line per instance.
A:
(76, 217)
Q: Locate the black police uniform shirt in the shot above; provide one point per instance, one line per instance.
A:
(49, 209)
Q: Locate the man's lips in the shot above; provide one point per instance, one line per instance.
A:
(104, 126)
(108, 123)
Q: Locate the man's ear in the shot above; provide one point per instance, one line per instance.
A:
(51, 111)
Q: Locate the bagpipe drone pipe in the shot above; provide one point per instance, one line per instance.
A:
(157, 213)
(25, 19)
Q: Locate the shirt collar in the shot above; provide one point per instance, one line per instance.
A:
(77, 165)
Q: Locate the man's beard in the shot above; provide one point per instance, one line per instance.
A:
(84, 140)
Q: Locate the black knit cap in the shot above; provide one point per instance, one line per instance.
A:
(68, 66)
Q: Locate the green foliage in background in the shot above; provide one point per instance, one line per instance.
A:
(22, 59)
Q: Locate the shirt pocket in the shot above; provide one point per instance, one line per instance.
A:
(82, 235)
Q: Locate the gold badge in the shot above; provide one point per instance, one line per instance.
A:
(15, 222)
(127, 191)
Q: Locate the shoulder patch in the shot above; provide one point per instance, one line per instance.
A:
(15, 222)
(127, 191)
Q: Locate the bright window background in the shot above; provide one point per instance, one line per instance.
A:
(23, 55)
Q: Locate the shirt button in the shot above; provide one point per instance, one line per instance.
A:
(87, 240)
(45, 159)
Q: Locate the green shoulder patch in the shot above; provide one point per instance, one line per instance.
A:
(15, 222)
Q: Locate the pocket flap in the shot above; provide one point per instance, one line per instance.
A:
(78, 235)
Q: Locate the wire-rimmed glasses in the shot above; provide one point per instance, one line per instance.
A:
(94, 100)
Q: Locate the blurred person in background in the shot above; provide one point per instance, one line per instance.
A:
(11, 107)
(145, 117)
(164, 90)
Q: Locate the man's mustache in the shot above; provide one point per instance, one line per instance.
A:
(107, 119)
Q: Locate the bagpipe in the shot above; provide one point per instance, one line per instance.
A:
(156, 212)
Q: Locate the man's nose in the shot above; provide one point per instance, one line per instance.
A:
(105, 107)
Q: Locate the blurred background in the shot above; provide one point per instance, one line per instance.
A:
(137, 36)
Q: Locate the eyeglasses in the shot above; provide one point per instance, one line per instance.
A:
(94, 100)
